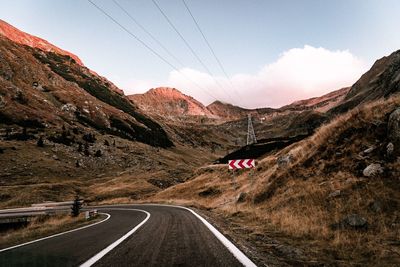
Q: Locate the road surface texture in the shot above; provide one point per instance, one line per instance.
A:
(170, 237)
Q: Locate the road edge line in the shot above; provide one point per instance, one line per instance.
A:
(110, 247)
(236, 252)
(55, 235)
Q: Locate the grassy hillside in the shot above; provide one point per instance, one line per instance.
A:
(314, 193)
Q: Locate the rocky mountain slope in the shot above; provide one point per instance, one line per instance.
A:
(48, 90)
(382, 80)
(24, 38)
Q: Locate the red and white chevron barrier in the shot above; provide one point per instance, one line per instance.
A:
(241, 164)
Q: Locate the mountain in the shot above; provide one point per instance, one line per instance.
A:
(226, 110)
(321, 103)
(49, 88)
(169, 102)
(381, 81)
(23, 38)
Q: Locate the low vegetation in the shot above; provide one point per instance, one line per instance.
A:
(44, 226)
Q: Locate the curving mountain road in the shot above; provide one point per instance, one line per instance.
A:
(134, 235)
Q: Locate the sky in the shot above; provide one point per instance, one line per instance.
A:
(273, 52)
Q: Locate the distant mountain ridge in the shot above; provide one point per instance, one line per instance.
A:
(165, 101)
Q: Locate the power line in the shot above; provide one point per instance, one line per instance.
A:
(148, 33)
(208, 44)
(147, 46)
(188, 45)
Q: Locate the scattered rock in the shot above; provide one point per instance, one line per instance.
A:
(352, 221)
(70, 108)
(285, 160)
(394, 129)
(334, 194)
(2, 101)
(355, 221)
(389, 150)
(98, 153)
(241, 197)
(376, 206)
(372, 170)
(369, 150)
(289, 251)
(210, 192)
(55, 157)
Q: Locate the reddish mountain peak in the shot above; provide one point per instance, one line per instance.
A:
(168, 92)
(24, 38)
(169, 101)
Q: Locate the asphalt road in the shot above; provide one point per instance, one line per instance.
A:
(170, 237)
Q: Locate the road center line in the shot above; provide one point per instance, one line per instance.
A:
(102, 253)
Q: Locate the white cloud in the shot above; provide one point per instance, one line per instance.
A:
(298, 73)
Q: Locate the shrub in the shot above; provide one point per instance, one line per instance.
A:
(76, 207)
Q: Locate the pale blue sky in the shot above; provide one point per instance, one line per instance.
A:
(245, 34)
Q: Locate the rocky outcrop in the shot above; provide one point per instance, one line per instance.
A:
(394, 131)
(285, 160)
(355, 221)
(373, 170)
(382, 80)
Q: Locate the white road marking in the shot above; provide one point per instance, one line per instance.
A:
(239, 255)
(102, 253)
(63, 233)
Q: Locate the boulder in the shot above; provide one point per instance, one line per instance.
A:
(355, 221)
(334, 194)
(285, 160)
(70, 108)
(394, 130)
(369, 150)
(375, 206)
(241, 197)
(372, 170)
(390, 150)
(2, 101)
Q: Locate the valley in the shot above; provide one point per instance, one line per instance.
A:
(324, 192)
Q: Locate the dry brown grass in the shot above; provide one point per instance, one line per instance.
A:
(293, 204)
(44, 226)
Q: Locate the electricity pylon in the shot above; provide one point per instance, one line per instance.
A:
(251, 136)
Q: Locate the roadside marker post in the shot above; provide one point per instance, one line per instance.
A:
(241, 164)
(236, 164)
